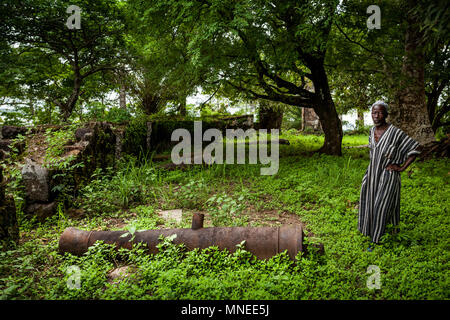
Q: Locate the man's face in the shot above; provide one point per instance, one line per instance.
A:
(379, 115)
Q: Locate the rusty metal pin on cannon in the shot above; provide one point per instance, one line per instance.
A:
(197, 221)
(263, 242)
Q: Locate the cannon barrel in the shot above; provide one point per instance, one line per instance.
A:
(263, 242)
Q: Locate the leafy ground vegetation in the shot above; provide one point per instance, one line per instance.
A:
(319, 191)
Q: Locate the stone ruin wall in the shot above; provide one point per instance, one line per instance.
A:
(96, 145)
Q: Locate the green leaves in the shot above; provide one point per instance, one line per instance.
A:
(131, 230)
(52, 62)
(224, 210)
(56, 140)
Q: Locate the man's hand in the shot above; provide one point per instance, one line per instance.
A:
(394, 167)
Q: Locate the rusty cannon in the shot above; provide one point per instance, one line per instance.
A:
(263, 242)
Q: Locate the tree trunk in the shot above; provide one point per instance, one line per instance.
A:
(332, 128)
(303, 120)
(121, 75)
(150, 103)
(437, 123)
(409, 110)
(360, 120)
(67, 107)
(182, 107)
(269, 117)
(32, 110)
(326, 110)
(122, 96)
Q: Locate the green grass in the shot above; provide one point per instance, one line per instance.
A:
(323, 191)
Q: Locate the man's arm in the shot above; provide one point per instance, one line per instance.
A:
(396, 167)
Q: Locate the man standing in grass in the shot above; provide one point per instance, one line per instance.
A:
(379, 202)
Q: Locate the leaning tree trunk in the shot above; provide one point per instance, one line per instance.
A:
(409, 110)
(67, 107)
(326, 111)
(332, 128)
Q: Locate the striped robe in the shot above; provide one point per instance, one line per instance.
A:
(379, 202)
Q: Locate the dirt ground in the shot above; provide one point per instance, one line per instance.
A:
(36, 147)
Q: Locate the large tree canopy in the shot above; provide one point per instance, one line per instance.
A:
(405, 61)
(308, 53)
(268, 50)
(68, 56)
(162, 63)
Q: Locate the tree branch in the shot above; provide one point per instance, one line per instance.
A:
(95, 70)
(291, 100)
